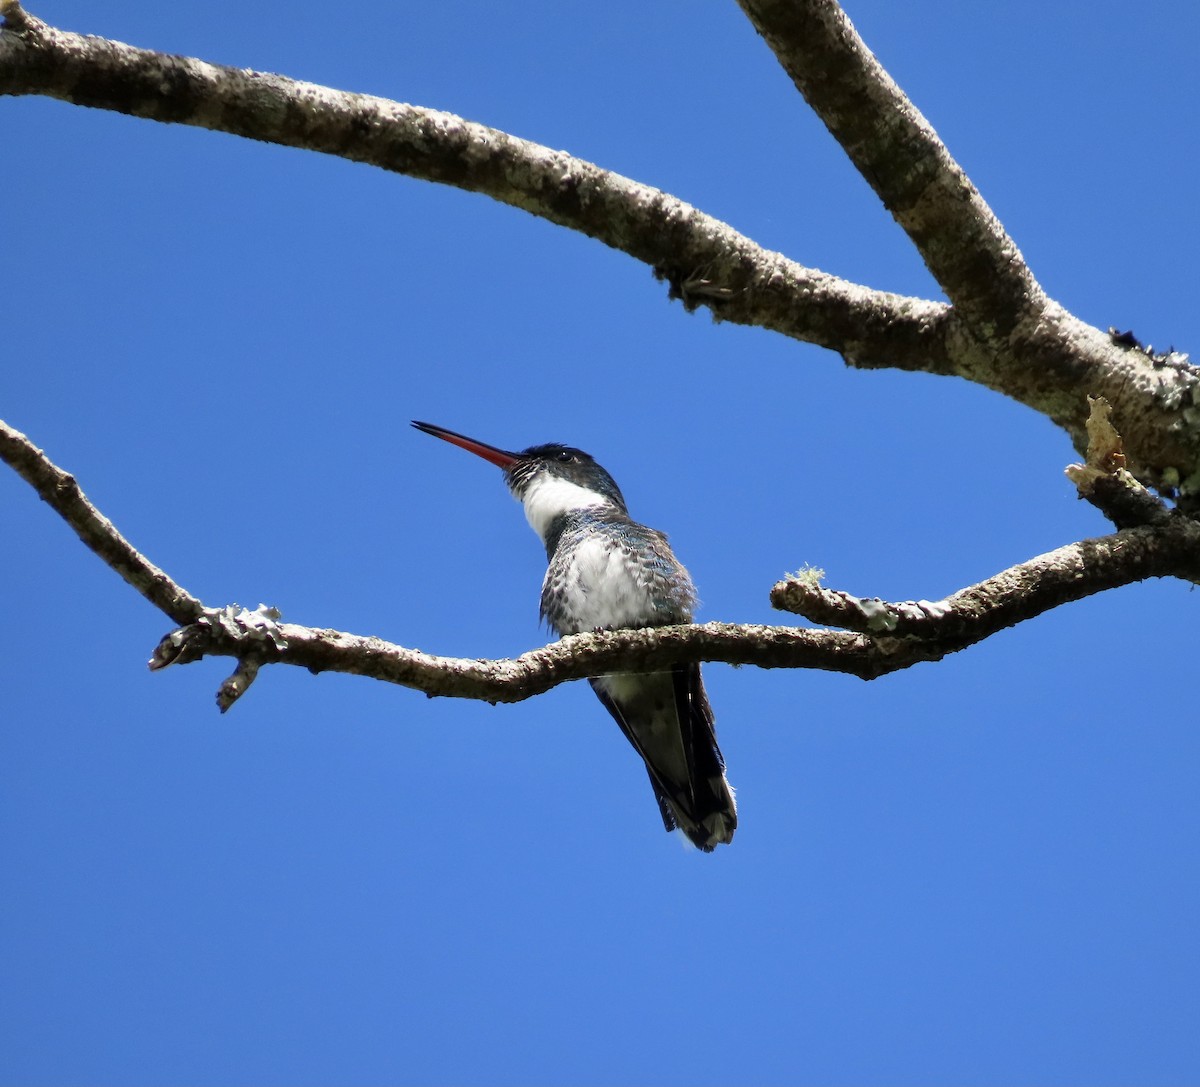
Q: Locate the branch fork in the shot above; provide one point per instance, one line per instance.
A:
(999, 330)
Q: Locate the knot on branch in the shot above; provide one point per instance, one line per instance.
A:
(251, 636)
(248, 633)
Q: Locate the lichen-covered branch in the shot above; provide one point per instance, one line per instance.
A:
(1010, 597)
(1005, 333)
(706, 261)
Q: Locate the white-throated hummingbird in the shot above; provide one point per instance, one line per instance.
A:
(607, 572)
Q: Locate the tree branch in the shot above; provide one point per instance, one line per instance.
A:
(60, 491)
(1012, 596)
(887, 637)
(577, 656)
(706, 261)
(901, 157)
(1047, 360)
(1004, 332)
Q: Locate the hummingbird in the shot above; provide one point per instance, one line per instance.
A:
(607, 572)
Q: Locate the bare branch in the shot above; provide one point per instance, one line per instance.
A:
(62, 493)
(900, 155)
(706, 261)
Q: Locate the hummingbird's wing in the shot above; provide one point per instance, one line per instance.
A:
(667, 718)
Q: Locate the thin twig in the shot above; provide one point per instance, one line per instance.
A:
(238, 683)
(59, 489)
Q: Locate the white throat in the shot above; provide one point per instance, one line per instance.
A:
(548, 497)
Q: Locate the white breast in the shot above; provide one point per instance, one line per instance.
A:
(603, 589)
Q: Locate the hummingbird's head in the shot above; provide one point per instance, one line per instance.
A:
(548, 480)
(566, 469)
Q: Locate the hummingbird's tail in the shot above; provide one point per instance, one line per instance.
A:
(667, 718)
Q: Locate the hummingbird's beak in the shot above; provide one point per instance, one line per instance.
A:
(499, 457)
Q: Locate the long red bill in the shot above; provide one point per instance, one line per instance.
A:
(502, 458)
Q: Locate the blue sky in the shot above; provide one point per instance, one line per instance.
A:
(983, 871)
